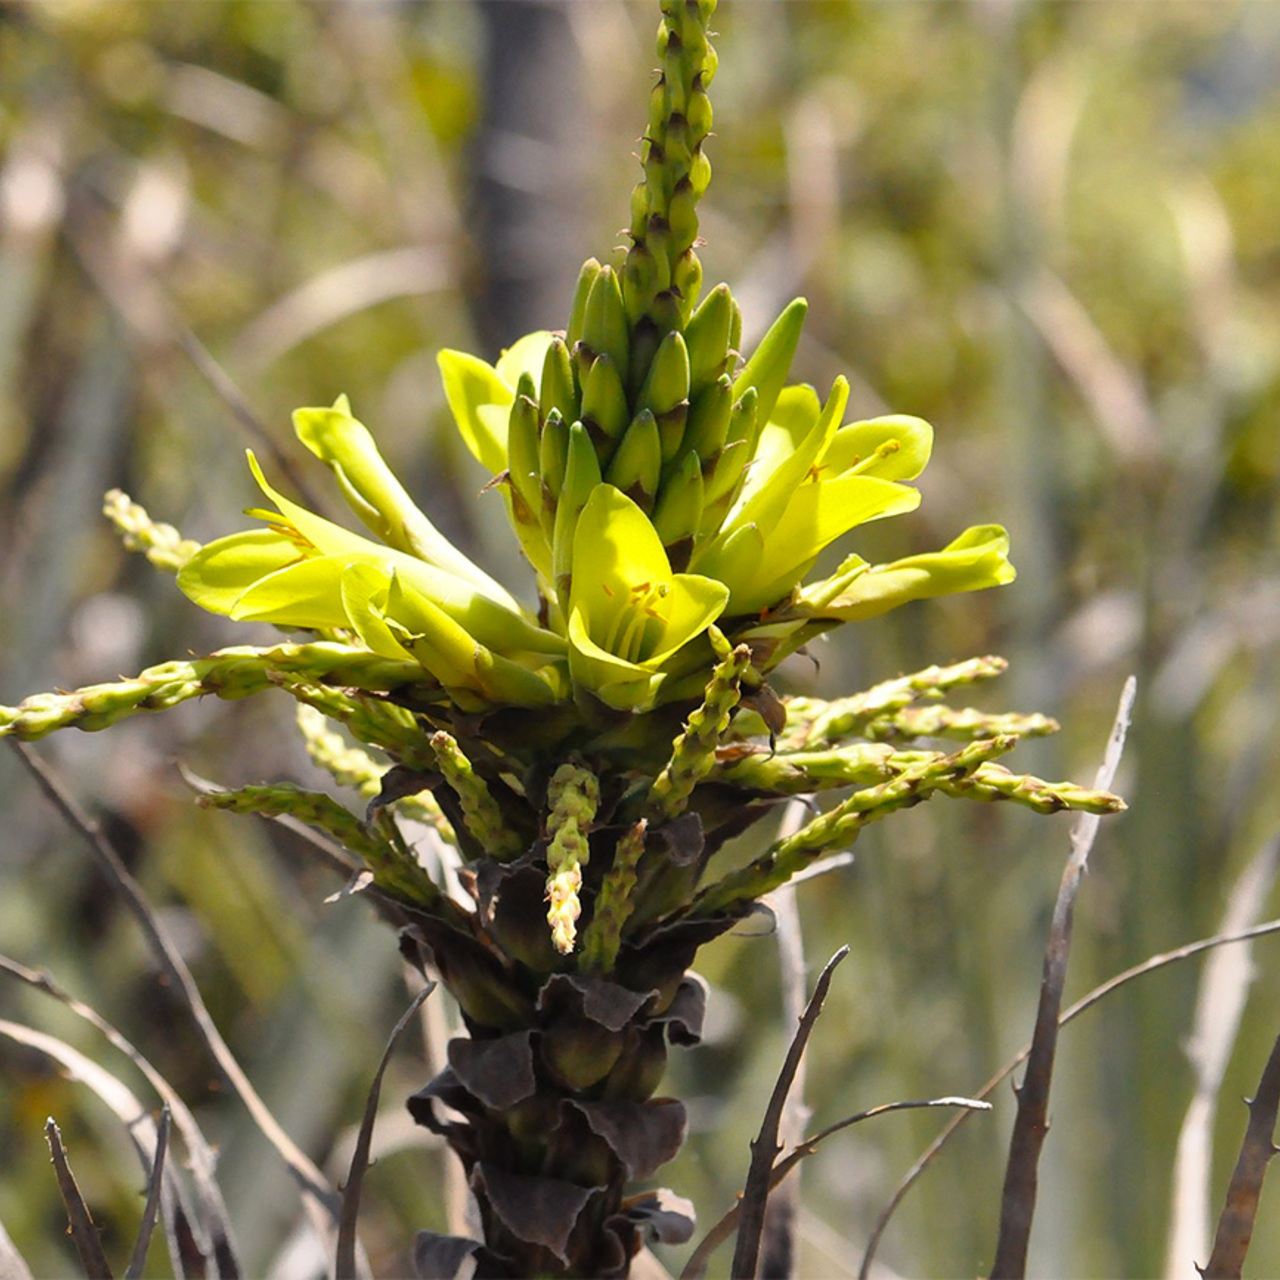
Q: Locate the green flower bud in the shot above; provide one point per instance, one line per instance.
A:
(636, 465)
(553, 455)
(578, 310)
(678, 513)
(707, 337)
(581, 475)
(604, 405)
(771, 361)
(557, 389)
(730, 471)
(605, 331)
(707, 427)
(667, 385)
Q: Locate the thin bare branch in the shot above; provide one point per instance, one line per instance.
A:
(696, 1267)
(320, 1198)
(80, 1222)
(345, 1261)
(778, 1247)
(155, 1185)
(1032, 1123)
(213, 1216)
(764, 1150)
(1235, 1226)
(1100, 992)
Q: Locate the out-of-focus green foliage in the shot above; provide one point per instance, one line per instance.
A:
(1049, 229)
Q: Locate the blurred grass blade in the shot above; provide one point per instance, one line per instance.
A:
(12, 1264)
(317, 1195)
(696, 1267)
(1224, 988)
(80, 1223)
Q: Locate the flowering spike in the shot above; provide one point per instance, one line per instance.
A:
(813, 723)
(843, 824)
(602, 938)
(573, 796)
(484, 818)
(230, 673)
(693, 754)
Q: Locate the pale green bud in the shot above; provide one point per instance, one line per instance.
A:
(553, 455)
(771, 361)
(557, 390)
(678, 513)
(604, 405)
(707, 427)
(578, 310)
(707, 337)
(636, 466)
(605, 331)
(581, 476)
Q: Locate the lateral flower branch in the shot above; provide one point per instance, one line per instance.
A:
(587, 752)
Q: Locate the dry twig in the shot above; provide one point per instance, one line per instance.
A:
(1032, 1124)
(1235, 1226)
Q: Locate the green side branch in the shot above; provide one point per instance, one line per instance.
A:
(352, 767)
(369, 718)
(813, 722)
(230, 673)
(868, 764)
(936, 721)
(380, 848)
(841, 825)
(482, 813)
(162, 544)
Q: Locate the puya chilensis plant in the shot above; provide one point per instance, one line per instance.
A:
(584, 758)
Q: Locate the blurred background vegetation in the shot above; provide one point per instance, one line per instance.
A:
(1053, 229)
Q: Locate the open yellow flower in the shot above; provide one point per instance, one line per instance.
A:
(628, 612)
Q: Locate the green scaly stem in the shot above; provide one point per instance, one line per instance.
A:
(662, 276)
